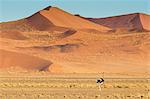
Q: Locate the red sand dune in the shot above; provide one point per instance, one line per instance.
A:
(14, 59)
(64, 19)
(53, 18)
(43, 24)
(50, 19)
(133, 22)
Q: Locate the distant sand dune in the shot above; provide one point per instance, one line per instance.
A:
(132, 22)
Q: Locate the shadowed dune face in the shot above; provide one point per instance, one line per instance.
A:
(12, 59)
(39, 22)
(132, 22)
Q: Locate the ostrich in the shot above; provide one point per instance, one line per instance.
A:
(100, 82)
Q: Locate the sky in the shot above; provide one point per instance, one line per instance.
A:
(17, 9)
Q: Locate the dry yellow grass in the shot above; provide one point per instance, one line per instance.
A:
(73, 86)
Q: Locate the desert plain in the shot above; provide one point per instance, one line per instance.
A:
(73, 86)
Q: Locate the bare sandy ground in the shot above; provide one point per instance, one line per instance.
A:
(73, 86)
